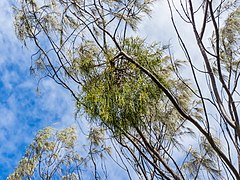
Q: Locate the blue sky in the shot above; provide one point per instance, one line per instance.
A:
(23, 111)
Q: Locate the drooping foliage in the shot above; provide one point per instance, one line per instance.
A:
(229, 42)
(54, 154)
(119, 94)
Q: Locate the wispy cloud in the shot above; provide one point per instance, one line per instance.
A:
(22, 111)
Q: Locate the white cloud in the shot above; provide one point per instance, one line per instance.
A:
(7, 118)
(22, 111)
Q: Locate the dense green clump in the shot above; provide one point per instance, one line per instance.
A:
(120, 94)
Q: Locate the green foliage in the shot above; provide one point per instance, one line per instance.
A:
(55, 154)
(230, 31)
(51, 152)
(117, 92)
(229, 43)
(84, 59)
(201, 160)
(59, 18)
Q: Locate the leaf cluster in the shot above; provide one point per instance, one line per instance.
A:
(51, 152)
(118, 94)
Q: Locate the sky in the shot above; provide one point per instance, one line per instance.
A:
(24, 111)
